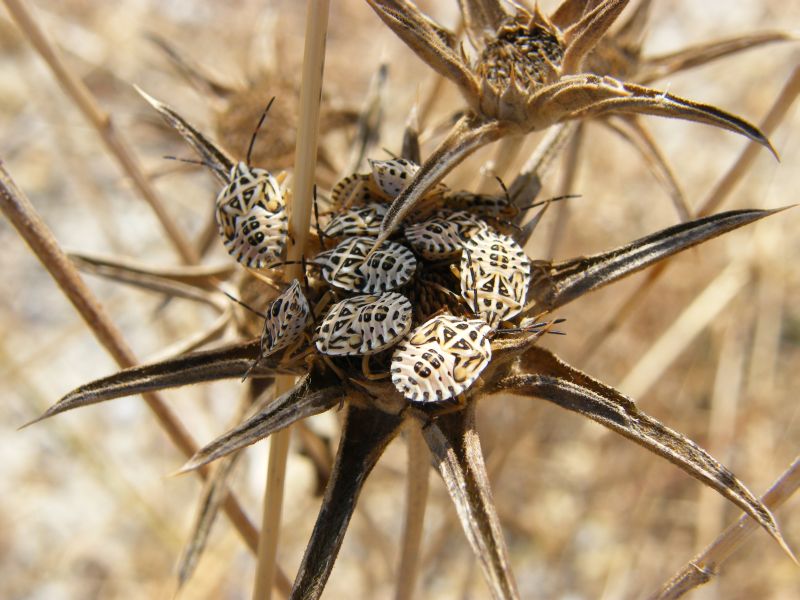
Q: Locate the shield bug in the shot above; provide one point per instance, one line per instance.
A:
(364, 324)
(346, 266)
(441, 358)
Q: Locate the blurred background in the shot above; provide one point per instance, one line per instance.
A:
(88, 508)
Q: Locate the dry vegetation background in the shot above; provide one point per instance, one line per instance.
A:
(87, 507)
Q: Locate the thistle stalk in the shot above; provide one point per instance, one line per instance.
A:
(300, 219)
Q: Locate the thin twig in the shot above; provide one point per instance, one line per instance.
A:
(21, 213)
(705, 565)
(300, 219)
(101, 120)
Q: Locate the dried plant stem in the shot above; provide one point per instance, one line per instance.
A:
(416, 500)
(694, 318)
(567, 184)
(300, 219)
(705, 565)
(19, 211)
(723, 189)
(77, 91)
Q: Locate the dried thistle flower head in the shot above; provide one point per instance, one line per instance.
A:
(527, 76)
(425, 344)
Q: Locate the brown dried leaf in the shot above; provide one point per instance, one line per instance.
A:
(543, 375)
(456, 447)
(222, 363)
(314, 394)
(365, 435)
(557, 284)
(217, 159)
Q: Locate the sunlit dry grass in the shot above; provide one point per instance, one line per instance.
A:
(86, 505)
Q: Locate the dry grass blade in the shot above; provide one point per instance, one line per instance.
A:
(213, 495)
(370, 119)
(456, 448)
(467, 135)
(228, 362)
(560, 283)
(416, 501)
(541, 374)
(632, 130)
(199, 276)
(309, 397)
(155, 283)
(217, 159)
(663, 65)
(365, 435)
(77, 91)
(705, 565)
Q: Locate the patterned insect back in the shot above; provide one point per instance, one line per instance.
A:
(346, 266)
(363, 325)
(355, 190)
(286, 320)
(392, 176)
(363, 220)
(434, 239)
(495, 275)
(251, 217)
(441, 358)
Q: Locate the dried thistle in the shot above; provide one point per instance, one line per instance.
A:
(439, 371)
(528, 75)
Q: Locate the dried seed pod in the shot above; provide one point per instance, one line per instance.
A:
(251, 217)
(364, 324)
(364, 220)
(286, 320)
(346, 266)
(441, 358)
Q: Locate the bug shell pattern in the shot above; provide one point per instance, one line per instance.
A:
(363, 220)
(346, 267)
(495, 275)
(286, 321)
(434, 239)
(355, 190)
(251, 217)
(364, 324)
(495, 252)
(441, 358)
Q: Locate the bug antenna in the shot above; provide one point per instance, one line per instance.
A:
(258, 126)
(549, 200)
(247, 306)
(390, 153)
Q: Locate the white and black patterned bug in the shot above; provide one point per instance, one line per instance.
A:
(355, 190)
(286, 320)
(363, 325)
(392, 176)
(441, 358)
(495, 252)
(346, 266)
(495, 275)
(493, 295)
(467, 224)
(363, 220)
(434, 239)
(251, 216)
